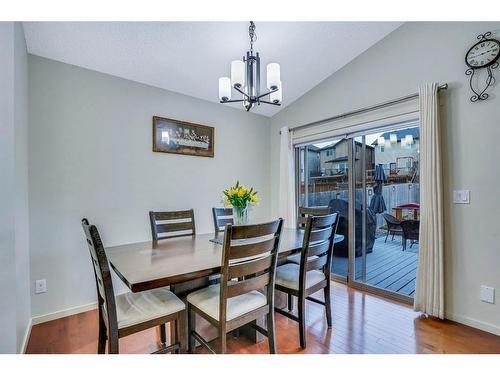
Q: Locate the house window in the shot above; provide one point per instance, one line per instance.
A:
(329, 152)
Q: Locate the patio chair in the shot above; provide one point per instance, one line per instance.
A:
(411, 231)
(393, 226)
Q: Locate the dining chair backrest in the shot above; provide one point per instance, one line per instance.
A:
(104, 284)
(222, 216)
(170, 224)
(249, 258)
(317, 246)
(411, 229)
(304, 212)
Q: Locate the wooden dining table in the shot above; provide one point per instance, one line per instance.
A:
(182, 259)
(142, 267)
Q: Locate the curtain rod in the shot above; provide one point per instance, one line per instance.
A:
(362, 110)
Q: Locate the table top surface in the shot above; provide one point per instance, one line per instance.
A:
(180, 259)
(409, 205)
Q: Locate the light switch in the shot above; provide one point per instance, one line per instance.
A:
(487, 294)
(461, 196)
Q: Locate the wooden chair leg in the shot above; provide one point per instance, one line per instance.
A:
(302, 321)
(163, 334)
(191, 328)
(113, 346)
(101, 345)
(290, 302)
(387, 235)
(270, 332)
(175, 325)
(392, 236)
(222, 341)
(328, 305)
(174, 332)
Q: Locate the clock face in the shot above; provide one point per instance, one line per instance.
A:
(483, 54)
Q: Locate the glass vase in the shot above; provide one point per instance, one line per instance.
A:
(240, 215)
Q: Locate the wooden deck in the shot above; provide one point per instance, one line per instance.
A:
(387, 267)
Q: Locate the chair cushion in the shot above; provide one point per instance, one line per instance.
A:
(296, 258)
(135, 308)
(287, 275)
(207, 300)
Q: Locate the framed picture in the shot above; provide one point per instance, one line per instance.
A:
(180, 137)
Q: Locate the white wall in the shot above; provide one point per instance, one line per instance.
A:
(15, 312)
(413, 54)
(91, 156)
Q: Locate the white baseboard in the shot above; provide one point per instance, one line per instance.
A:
(63, 313)
(26, 337)
(491, 328)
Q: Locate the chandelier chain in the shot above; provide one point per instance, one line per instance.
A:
(252, 34)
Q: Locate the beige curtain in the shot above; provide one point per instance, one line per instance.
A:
(287, 180)
(429, 294)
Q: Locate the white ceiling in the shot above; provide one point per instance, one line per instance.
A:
(189, 57)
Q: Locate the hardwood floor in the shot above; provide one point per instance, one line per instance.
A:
(362, 323)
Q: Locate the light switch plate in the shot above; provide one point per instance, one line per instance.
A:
(461, 196)
(487, 294)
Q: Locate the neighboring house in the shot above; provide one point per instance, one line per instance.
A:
(332, 160)
(398, 158)
(338, 163)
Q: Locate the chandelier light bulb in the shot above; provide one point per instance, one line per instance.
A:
(224, 89)
(237, 73)
(409, 139)
(273, 75)
(381, 141)
(394, 138)
(277, 96)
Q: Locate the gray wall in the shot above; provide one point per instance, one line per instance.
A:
(15, 310)
(7, 237)
(21, 183)
(413, 54)
(91, 156)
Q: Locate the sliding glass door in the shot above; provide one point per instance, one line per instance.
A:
(323, 182)
(372, 180)
(386, 209)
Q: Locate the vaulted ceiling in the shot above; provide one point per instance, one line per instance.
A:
(189, 57)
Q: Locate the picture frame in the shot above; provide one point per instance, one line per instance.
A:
(182, 137)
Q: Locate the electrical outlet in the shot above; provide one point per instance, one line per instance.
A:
(40, 286)
(487, 294)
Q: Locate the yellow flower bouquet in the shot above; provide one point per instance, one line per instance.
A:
(239, 196)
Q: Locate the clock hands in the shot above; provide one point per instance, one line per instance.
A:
(484, 53)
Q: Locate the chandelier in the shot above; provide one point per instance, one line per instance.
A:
(245, 79)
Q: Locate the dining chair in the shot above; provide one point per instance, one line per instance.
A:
(124, 314)
(249, 252)
(312, 274)
(172, 224)
(303, 214)
(411, 232)
(222, 216)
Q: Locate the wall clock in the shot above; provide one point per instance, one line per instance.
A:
(482, 55)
